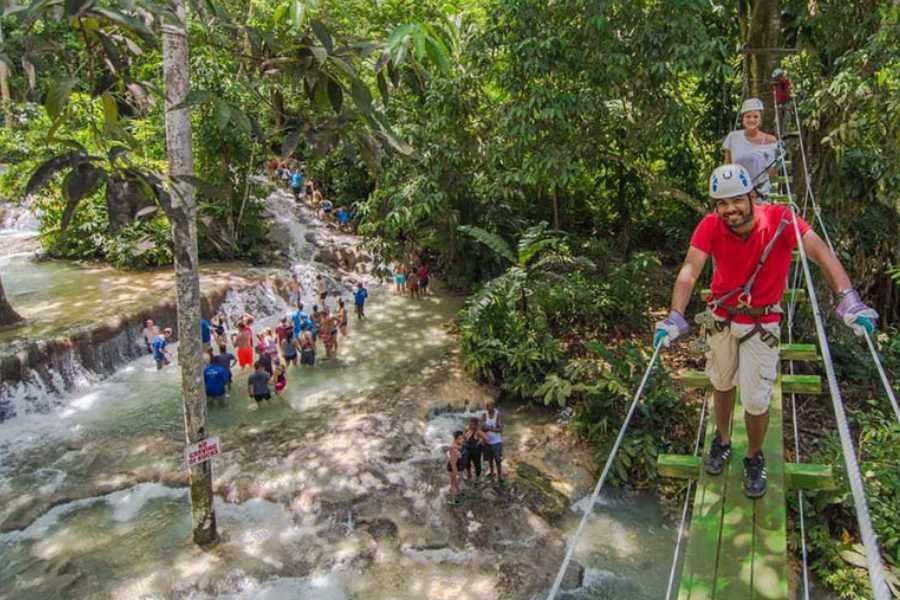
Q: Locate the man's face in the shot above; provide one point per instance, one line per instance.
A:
(737, 212)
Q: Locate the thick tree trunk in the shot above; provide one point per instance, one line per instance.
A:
(8, 315)
(182, 212)
(762, 39)
(5, 100)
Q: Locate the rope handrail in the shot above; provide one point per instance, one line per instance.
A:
(609, 460)
(867, 532)
(687, 500)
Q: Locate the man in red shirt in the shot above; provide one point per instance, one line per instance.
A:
(752, 247)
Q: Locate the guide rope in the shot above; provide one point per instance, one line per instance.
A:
(885, 382)
(687, 500)
(790, 318)
(874, 564)
(867, 532)
(609, 461)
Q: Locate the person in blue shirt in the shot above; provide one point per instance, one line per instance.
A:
(205, 334)
(359, 298)
(343, 217)
(160, 354)
(298, 318)
(215, 380)
(297, 183)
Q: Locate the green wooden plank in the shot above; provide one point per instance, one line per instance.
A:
(805, 476)
(693, 379)
(682, 466)
(778, 198)
(701, 555)
(799, 352)
(801, 384)
(770, 564)
(734, 576)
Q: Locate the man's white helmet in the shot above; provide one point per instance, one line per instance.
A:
(729, 181)
(751, 104)
(779, 72)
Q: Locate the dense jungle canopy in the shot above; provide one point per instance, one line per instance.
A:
(549, 157)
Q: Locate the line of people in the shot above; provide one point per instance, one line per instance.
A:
(292, 175)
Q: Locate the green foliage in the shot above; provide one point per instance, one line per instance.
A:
(831, 523)
(606, 383)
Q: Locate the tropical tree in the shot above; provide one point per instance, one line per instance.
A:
(538, 257)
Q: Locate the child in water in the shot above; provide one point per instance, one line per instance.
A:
(279, 378)
(454, 456)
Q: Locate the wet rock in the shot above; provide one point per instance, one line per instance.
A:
(574, 577)
(380, 529)
(539, 494)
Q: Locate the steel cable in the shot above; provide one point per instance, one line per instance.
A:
(609, 461)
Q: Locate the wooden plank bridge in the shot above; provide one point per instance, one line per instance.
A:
(736, 546)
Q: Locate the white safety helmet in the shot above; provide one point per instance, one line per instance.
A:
(779, 72)
(729, 181)
(751, 104)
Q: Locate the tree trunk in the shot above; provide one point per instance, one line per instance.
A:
(8, 315)
(5, 100)
(555, 208)
(182, 212)
(762, 39)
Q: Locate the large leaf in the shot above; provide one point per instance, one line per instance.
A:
(322, 33)
(80, 182)
(46, 171)
(491, 240)
(195, 97)
(336, 95)
(127, 22)
(58, 96)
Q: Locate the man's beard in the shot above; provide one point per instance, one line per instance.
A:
(745, 217)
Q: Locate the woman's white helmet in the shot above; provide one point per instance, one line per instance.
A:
(751, 104)
(729, 181)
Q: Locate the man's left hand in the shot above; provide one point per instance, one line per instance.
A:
(855, 314)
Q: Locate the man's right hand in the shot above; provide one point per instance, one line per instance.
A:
(670, 329)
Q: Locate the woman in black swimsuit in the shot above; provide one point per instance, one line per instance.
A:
(474, 443)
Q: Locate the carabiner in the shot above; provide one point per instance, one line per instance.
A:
(744, 300)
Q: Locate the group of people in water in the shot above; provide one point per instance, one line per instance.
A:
(481, 441)
(412, 278)
(267, 351)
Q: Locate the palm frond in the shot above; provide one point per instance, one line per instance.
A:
(491, 240)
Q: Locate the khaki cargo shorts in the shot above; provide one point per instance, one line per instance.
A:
(752, 365)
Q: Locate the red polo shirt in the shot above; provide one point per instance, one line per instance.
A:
(735, 258)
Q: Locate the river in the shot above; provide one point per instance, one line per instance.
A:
(335, 491)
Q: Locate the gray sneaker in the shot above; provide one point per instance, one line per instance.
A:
(715, 461)
(755, 475)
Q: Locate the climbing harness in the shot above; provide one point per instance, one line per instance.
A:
(609, 461)
(687, 500)
(708, 320)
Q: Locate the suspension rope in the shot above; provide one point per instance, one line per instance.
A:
(609, 461)
(867, 532)
(790, 317)
(687, 500)
(885, 382)
(881, 373)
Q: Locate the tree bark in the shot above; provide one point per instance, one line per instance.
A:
(8, 315)
(762, 38)
(181, 209)
(5, 99)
